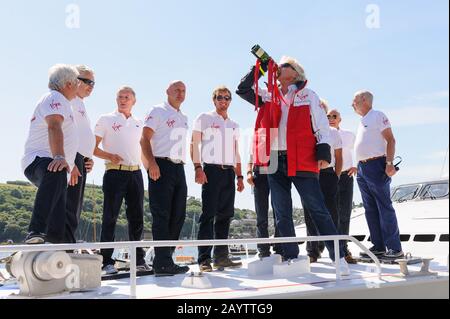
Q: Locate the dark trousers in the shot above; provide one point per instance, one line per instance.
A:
(168, 207)
(328, 181)
(49, 211)
(74, 203)
(345, 204)
(117, 186)
(261, 193)
(374, 185)
(217, 210)
(311, 195)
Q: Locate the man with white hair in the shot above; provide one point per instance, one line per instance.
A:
(120, 132)
(163, 146)
(83, 160)
(346, 179)
(375, 152)
(301, 150)
(50, 152)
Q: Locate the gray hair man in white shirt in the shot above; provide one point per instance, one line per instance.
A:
(49, 156)
(83, 160)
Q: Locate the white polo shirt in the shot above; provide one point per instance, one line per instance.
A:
(121, 136)
(348, 144)
(219, 139)
(335, 144)
(170, 129)
(37, 144)
(369, 141)
(86, 135)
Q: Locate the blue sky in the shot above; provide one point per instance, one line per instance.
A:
(146, 44)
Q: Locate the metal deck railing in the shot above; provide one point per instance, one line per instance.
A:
(131, 246)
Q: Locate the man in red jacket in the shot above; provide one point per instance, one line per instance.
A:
(301, 146)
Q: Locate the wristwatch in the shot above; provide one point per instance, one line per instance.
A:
(240, 176)
(59, 157)
(390, 163)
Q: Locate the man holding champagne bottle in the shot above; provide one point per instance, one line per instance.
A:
(299, 144)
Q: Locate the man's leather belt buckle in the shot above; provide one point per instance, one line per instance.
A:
(122, 167)
(371, 159)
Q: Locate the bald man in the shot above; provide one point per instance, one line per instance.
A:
(375, 151)
(164, 155)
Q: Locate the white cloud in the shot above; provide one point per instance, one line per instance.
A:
(431, 97)
(418, 115)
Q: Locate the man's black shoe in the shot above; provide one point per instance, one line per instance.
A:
(171, 270)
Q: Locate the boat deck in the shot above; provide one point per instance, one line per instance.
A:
(320, 283)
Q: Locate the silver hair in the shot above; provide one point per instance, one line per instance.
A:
(81, 68)
(367, 95)
(297, 67)
(60, 75)
(126, 88)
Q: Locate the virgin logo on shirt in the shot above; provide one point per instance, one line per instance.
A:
(116, 127)
(83, 113)
(385, 121)
(216, 126)
(148, 118)
(170, 123)
(33, 119)
(55, 106)
(304, 97)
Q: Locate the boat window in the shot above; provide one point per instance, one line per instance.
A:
(405, 237)
(425, 238)
(444, 237)
(405, 193)
(435, 191)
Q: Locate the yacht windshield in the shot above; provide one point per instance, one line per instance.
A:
(435, 191)
(405, 193)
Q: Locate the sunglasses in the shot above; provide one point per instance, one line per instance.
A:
(87, 81)
(221, 98)
(334, 117)
(287, 65)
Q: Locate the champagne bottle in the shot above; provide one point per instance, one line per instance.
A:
(260, 54)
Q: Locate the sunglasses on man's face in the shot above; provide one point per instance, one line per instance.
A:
(334, 117)
(87, 81)
(221, 98)
(287, 65)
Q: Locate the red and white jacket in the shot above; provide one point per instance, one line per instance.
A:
(298, 125)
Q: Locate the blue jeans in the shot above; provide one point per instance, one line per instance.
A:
(262, 192)
(311, 195)
(374, 185)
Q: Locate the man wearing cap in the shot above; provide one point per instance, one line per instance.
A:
(218, 136)
(83, 160)
(375, 151)
(163, 145)
(346, 180)
(120, 132)
(50, 152)
(328, 179)
(301, 149)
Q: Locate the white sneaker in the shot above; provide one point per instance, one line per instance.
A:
(343, 267)
(110, 270)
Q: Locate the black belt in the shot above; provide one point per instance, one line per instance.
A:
(178, 162)
(282, 153)
(345, 172)
(220, 166)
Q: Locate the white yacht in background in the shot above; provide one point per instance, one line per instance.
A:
(422, 210)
